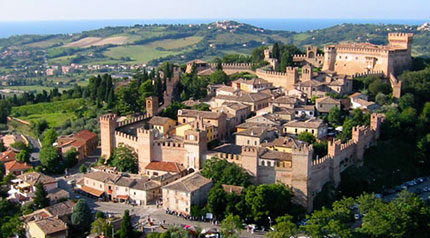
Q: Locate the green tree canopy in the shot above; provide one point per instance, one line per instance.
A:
(41, 200)
(49, 137)
(50, 159)
(307, 137)
(23, 156)
(125, 159)
(101, 226)
(221, 171)
(335, 116)
(284, 227)
(218, 77)
(81, 216)
(231, 226)
(126, 230)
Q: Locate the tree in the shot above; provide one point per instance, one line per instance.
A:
(176, 232)
(126, 230)
(41, 200)
(230, 226)
(50, 159)
(100, 214)
(23, 156)
(406, 101)
(49, 137)
(2, 147)
(284, 228)
(83, 169)
(221, 171)
(19, 145)
(276, 52)
(81, 216)
(324, 223)
(101, 226)
(381, 99)
(217, 201)
(71, 158)
(266, 200)
(125, 159)
(307, 137)
(335, 116)
(379, 86)
(39, 127)
(218, 77)
(172, 110)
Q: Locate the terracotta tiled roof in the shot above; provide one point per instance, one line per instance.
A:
(165, 166)
(12, 166)
(51, 225)
(78, 143)
(286, 141)
(62, 208)
(102, 176)
(85, 135)
(159, 121)
(92, 191)
(232, 189)
(275, 155)
(327, 100)
(254, 131)
(34, 178)
(7, 156)
(145, 185)
(202, 114)
(254, 81)
(285, 100)
(310, 123)
(190, 183)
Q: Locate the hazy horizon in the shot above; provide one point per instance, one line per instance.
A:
(28, 10)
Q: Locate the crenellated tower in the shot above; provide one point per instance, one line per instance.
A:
(249, 156)
(329, 58)
(292, 77)
(301, 178)
(108, 125)
(195, 144)
(151, 106)
(145, 141)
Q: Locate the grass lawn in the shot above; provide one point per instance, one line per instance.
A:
(45, 43)
(63, 60)
(53, 119)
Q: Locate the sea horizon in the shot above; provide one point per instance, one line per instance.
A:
(45, 27)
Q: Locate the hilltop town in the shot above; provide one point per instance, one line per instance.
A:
(227, 146)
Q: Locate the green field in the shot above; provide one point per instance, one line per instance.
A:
(56, 113)
(45, 43)
(154, 50)
(34, 88)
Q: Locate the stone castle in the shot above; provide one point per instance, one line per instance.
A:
(347, 60)
(284, 160)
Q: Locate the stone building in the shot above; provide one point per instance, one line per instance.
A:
(84, 142)
(190, 190)
(291, 162)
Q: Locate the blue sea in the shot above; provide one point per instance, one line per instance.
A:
(64, 27)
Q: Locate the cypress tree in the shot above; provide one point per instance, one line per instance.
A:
(41, 200)
(276, 53)
(126, 230)
(81, 216)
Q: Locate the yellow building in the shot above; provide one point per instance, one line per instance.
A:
(162, 124)
(314, 125)
(211, 130)
(46, 228)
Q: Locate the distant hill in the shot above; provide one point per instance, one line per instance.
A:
(155, 43)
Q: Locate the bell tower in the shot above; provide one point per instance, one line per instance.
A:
(151, 106)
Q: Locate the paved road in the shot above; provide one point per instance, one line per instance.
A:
(424, 195)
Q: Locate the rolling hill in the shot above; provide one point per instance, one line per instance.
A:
(152, 44)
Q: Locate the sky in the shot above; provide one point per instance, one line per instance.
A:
(40, 10)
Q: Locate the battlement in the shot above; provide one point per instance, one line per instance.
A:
(108, 117)
(400, 34)
(170, 144)
(303, 148)
(271, 73)
(363, 50)
(126, 136)
(131, 121)
(228, 156)
(378, 73)
(321, 160)
(249, 149)
(304, 56)
(347, 145)
(233, 65)
(143, 131)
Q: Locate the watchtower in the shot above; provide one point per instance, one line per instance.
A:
(311, 51)
(151, 106)
(329, 57)
(307, 72)
(249, 156)
(401, 40)
(108, 125)
(195, 144)
(292, 77)
(302, 173)
(145, 141)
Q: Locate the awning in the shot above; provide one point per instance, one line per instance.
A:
(92, 191)
(125, 197)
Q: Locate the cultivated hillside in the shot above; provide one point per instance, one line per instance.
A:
(154, 43)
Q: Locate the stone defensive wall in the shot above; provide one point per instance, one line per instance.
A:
(131, 121)
(245, 66)
(361, 50)
(377, 73)
(304, 56)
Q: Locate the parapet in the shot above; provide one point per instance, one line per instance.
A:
(249, 150)
(303, 148)
(400, 34)
(321, 160)
(126, 136)
(108, 117)
(133, 120)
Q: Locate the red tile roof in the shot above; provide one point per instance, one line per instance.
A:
(17, 166)
(7, 156)
(165, 166)
(85, 135)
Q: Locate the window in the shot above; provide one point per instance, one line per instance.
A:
(184, 120)
(248, 142)
(255, 142)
